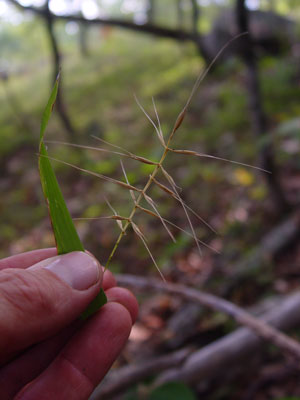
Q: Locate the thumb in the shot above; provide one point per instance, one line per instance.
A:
(37, 302)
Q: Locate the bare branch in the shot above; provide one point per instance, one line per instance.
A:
(257, 112)
(206, 363)
(155, 30)
(288, 345)
(56, 56)
(121, 379)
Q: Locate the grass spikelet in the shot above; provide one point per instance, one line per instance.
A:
(152, 214)
(113, 217)
(81, 146)
(194, 153)
(161, 136)
(152, 204)
(138, 195)
(127, 154)
(104, 177)
(164, 188)
(177, 197)
(149, 212)
(109, 144)
(157, 130)
(127, 181)
(143, 239)
(118, 220)
(170, 178)
(179, 120)
(187, 216)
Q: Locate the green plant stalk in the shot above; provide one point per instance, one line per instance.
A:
(177, 124)
(141, 195)
(66, 236)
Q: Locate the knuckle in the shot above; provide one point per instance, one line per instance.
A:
(25, 292)
(27, 301)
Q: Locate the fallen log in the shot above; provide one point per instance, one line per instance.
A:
(124, 377)
(209, 362)
(235, 348)
(289, 346)
(271, 244)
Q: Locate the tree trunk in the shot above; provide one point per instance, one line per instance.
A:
(60, 106)
(258, 117)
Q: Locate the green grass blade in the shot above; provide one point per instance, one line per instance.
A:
(48, 109)
(94, 305)
(66, 236)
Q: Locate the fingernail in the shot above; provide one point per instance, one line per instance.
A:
(77, 269)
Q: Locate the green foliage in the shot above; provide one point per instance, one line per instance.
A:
(172, 391)
(98, 93)
(288, 398)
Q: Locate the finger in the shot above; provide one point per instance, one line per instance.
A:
(30, 364)
(109, 280)
(85, 359)
(27, 366)
(25, 260)
(38, 302)
(124, 297)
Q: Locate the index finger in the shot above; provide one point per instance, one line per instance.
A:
(25, 260)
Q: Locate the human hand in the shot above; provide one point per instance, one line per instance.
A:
(45, 351)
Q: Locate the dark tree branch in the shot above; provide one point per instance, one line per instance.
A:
(121, 379)
(269, 378)
(195, 16)
(151, 11)
(60, 106)
(235, 350)
(149, 28)
(270, 245)
(179, 12)
(182, 323)
(83, 40)
(261, 329)
(53, 43)
(155, 30)
(199, 41)
(258, 116)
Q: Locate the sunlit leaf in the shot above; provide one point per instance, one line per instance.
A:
(243, 177)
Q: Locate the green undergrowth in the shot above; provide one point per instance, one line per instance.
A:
(98, 92)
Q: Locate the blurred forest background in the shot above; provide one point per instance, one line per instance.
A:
(247, 110)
